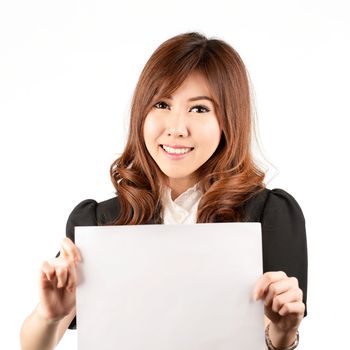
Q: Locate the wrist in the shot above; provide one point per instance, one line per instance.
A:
(277, 339)
(44, 318)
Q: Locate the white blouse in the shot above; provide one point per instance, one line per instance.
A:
(182, 210)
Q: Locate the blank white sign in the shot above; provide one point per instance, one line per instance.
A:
(169, 287)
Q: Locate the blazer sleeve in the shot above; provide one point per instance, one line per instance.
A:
(284, 238)
(84, 214)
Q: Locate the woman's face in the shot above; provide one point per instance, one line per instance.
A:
(182, 132)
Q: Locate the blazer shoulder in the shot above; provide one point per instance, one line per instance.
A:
(255, 205)
(107, 211)
(268, 200)
(91, 213)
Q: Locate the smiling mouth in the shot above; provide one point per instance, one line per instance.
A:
(177, 150)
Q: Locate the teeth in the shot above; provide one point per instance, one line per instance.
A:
(176, 150)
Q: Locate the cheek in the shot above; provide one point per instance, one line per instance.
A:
(211, 133)
(151, 129)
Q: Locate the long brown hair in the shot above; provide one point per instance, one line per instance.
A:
(230, 177)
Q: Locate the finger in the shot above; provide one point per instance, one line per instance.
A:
(61, 274)
(292, 308)
(74, 249)
(66, 249)
(70, 250)
(264, 281)
(291, 296)
(47, 271)
(280, 287)
(71, 279)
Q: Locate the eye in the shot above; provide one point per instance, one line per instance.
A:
(161, 105)
(200, 109)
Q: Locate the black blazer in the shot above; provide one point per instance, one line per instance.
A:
(283, 230)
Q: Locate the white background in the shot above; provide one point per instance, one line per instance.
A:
(67, 74)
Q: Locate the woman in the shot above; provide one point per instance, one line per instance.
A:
(188, 159)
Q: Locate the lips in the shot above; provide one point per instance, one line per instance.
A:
(176, 149)
(177, 152)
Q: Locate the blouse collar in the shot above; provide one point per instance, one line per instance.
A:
(183, 209)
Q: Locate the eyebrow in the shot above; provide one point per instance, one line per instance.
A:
(197, 98)
(201, 98)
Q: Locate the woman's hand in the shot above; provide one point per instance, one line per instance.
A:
(57, 283)
(283, 300)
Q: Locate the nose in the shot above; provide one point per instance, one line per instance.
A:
(177, 125)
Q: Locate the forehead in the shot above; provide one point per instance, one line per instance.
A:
(195, 84)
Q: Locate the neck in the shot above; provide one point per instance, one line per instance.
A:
(179, 186)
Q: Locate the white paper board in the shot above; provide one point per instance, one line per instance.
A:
(169, 287)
